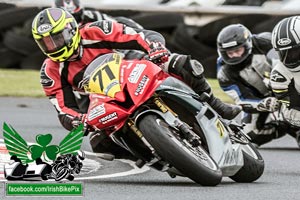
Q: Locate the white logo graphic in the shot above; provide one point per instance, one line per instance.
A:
(284, 41)
(136, 73)
(97, 111)
(44, 28)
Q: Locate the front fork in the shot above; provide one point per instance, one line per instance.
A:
(163, 107)
(184, 128)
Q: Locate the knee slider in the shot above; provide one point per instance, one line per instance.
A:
(197, 68)
(176, 64)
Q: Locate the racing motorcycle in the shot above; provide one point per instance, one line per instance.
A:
(165, 124)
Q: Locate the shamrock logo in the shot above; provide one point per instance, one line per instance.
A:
(38, 149)
(17, 146)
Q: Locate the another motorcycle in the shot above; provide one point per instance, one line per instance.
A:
(165, 124)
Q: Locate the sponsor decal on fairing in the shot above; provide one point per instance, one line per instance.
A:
(96, 112)
(140, 89)
(108, 118)
(136, 73)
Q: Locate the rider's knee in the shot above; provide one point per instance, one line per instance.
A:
(177, 63)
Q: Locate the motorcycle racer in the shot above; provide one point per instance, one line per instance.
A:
(83, 16)
(71, 48)
(197, 79)
(244, 74)
(285, 74)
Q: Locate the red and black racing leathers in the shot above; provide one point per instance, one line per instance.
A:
(97, 38)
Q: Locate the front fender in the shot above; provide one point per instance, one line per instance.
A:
(168, 116)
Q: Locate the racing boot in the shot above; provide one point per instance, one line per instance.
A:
(258, 140)
(263, 136)
(101, 143)
(227, 111)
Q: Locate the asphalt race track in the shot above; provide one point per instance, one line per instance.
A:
(119, 179)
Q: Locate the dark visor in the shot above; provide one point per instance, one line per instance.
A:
(53, 43)
(290, 56)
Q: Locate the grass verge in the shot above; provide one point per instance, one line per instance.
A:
(26, 83)
(20, 83)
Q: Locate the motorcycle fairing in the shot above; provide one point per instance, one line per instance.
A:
(228, 156)
(116, 96)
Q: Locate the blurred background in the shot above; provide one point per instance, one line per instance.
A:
(189, 26)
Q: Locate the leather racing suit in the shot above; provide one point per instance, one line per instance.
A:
(285, 85)
(247, 84)
(97, 38)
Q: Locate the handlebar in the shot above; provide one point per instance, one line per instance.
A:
(248, 108)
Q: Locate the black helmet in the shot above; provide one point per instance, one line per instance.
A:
(72, 6)
(233, 37)
(286, 41)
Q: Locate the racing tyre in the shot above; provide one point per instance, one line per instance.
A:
(16, 16)
(190, 45)
(4, 6)
(156, 21)
(44, 177)
(194, 163)
(19, 43)
(9, 58)
(33, 61)
(253, 165)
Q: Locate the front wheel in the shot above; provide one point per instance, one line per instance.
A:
(193, 162)
(253, 166)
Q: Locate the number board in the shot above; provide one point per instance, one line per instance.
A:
(106, 79)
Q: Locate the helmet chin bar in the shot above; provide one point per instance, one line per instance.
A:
(77, 54)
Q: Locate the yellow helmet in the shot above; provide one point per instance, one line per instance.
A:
(56, 32)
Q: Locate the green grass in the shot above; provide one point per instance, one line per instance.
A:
(26, 83)
(20, 83)
(218, 92)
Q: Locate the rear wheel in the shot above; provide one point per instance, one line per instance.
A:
(253, 166)
(193, 162)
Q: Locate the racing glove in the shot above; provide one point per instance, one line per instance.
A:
(82, 120)
(289, 115)
(78, 120)
(269, 104)
(158, 53)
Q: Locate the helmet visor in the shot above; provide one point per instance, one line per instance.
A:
(55, 42)
(290, 57)
(236, 55)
